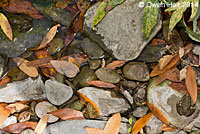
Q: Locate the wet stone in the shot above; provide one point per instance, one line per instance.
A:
(28, 131)
(57, 93)
(140, 111)
(129, 84)
(107, 75)
(136, 71)
(94, 64)
(90, 112)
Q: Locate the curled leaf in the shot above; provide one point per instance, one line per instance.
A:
(101, 84)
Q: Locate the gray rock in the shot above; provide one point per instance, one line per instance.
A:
(57, 93)
(174, 132)
(128, 96)
(153, 126)
(196, 49)
(106, 103)
(3, 132)
(27, 89)
(77, 127)
(94, 64)
(129, 84)
(165, 99)
(140, 111)
(120, 30)
(107, 75)
(28, 131)
(136, 71)
(10, 120)
(23, 41)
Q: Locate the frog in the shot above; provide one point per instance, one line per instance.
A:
(90, 112)
(185, 106)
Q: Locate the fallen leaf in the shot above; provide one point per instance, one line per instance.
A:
(166, 127)
(4, 113)
(48, 37)
(103, 63)
(4, 80)
(20, 6)
(191, 84)
(91, 130)
(17, 107)
(156, 41)
(180, 87)
(164, 61)
(66, 68)
(68, 114)
(62, 4)
(156, 71)
(188, 48)
(156, 112)
(101, 84)
(41, 124)
(19, 127)
(113, 124)
(183, 73)
(5, 26)
(115, 64)
(39, 62)
(193, 58)
(139, 124)
(181, 52)
(24, 116)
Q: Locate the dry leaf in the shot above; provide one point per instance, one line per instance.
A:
(180, 87)
(164, 61)
(66, 68)
(91, 130)
(156, 112)
(115, 64)
(4, 80)
(193, 58)
(5, 26)
(62, 4)
(113, 124)
(39, 62)
(103, 63)
(166, 127)
(191, 84)
(157, 42)
(183, 73)
(41, 124)
(19, 127)
(139, 124)
(4, 113)
(24, 116)
(16, 107)
(68, 114)
(181, 52)
(48, 37)
(101, 84)
(188, 48)
(156, 71)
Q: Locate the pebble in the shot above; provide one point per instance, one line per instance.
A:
(140, 111)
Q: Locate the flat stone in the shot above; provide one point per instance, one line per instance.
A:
(153, 126)
(28, 131)
(27, 89)
(57, 93)
(104, 100)
(120, 31)
(10, 120)
(140, 111)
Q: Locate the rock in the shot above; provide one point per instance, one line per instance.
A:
(77, 105)
(140, 97)
(57, 93)
(10, 120)
(140, 111)
(94, 64)
(23, 41)
(28, 131)
(174, 132)
(86, 74)
(136, 71)
(3, 132)
(3, 64)
(129, 84)
(77, 127)
(43, 108)
(165, 99)
(120, 31)
(196, 49)
(55, 45)
(128, 96)
(153, 126)
(152, 53)
(105, 101)
(56, 14)
(107, 75)
(27, 89)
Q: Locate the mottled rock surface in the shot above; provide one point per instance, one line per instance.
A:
(153, 126)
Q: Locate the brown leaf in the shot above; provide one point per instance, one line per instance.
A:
(103, 63)
(172, 74)
(157, 42)
(5, 26)
(193, 58)
(180, 87)
(24, 116)
(101, 84)
(68, 114)
(139, 124)
(183, 73)
(166, 127)
(164, 61)
(156, 112)
(20, 6)
(62, 4)
(4, 80)
(113, 124)
(191, 84)
(4, 113)
(66, 68)
(181, 52)
(48, 37)
(41, 124)
(188, 48)
(156, 71)
(39, 62)
(19, 127)
(115, 64)
(16, 107)
(91, 130)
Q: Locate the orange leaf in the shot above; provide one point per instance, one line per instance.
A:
(157, 42)
(101, 84)
(41, 124)
(164, 61)
(156, 112)
(5, 26)
(86, 99)
(48, 37)
(68, 114)
(19, 127)
(166, 127)
(139, 124)
(113, 124)
(39, 62)
(4, 113)
(191, 84)
(92, 130)
(115, 64)
(156, 71)
(5, 80)
(180, 87)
